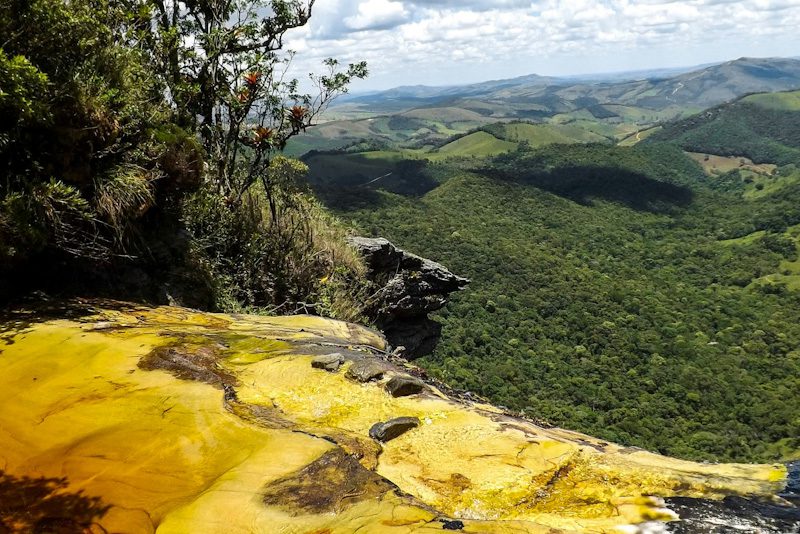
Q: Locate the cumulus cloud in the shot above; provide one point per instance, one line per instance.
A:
(472, 5)
(433, 41)
(377, 15)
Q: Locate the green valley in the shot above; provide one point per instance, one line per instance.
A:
(639, 293)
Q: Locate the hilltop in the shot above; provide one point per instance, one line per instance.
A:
(762, 127)
(612, 107)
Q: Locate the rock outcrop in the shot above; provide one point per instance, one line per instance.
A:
(328, 362)
(123, 418)
(366, 370)
(407, 289)
(403, 386)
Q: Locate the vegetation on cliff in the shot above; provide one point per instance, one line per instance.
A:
(138, 149)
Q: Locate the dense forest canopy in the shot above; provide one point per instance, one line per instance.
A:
(617, 291)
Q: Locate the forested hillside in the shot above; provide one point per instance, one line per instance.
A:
(764, 128)
(617, 291)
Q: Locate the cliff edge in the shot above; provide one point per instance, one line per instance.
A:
(118, 417)
(405, 290)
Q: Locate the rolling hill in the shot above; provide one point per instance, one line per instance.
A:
(613, 108)
(762, 127)
(476, 144)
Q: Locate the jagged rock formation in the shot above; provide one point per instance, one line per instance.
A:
(121, 418)
(407, 289)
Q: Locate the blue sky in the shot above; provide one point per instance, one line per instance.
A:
(441, 42)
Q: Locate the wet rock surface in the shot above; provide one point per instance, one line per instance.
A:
(792, 492)
(408, 288)
(403, 386)
(731, 515)
(241, 433)
(393, 428)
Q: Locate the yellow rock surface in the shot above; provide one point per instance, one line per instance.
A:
(129, 419)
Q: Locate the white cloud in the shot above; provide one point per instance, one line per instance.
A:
(377, 14)
(454, 41)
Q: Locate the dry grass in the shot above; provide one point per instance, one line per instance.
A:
(713, 165)
(124, 194)
(330, 239)
(280, 252)
(316, 258)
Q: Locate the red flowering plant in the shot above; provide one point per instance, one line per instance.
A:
(228, 77)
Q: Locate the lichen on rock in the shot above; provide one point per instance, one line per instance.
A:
(329, 484)
(171, 420)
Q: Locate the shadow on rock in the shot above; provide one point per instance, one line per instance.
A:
(44, 505)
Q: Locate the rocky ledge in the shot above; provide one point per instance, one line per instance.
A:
(123, 418)
(406, 289)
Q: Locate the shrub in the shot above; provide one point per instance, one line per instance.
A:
(281, 251)
(77, 148)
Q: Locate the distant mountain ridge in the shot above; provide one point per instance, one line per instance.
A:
(612, 107)
(533, 95)
(436, 91)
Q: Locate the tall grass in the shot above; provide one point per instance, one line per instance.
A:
(277, 250)
(124, 194)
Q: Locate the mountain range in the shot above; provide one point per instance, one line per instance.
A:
(610, 107)
(658, 89)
